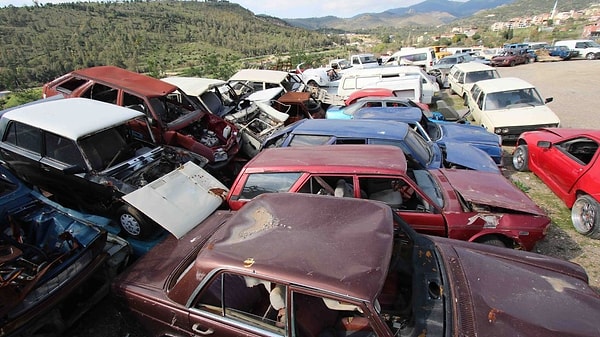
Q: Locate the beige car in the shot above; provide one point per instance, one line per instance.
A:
(509, 106)
(463, 75)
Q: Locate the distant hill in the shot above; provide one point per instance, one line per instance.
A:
(426, 13)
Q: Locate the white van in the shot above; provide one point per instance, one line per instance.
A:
(422, 57)
(588, 49)
(362, 78)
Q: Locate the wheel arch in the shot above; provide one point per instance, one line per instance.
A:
(508, 241)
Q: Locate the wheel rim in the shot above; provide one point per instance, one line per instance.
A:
(583, 215)
(518, 159)
(590, 56)
(130, 224)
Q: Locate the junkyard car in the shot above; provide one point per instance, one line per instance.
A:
(87, 155)
(55, 263)
(247, 81)
(475, 206)
(176, 118)
(305, 265)
(509, 106)
(563, 52)
(462, 77)
(511, 58)
(450, 137)
(311, 132)
(346, 112)
(566, 160)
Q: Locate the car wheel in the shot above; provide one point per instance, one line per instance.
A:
(585, 215)
(492, 241)
(590, 56)
(135, 224)
(521, 158)
(512, 63)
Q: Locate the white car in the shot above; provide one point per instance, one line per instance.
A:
(509, 106)
(463, 75)
(588, 49)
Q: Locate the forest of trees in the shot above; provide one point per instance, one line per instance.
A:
(40, 43)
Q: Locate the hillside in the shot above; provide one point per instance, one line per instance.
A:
(42, 42)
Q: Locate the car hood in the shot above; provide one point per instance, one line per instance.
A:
(529, 115)
(491, 189)
(516, 293)
(466, 133)
(469, 156)
(181, 199)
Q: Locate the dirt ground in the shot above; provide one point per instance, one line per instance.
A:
(573, 85)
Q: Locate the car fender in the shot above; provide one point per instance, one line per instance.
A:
(470, 157)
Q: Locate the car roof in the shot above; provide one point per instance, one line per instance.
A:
(503, 84)
(401, 114)
(72, 118)
(346, 158)
(341, 245)
(140, 84)
(259, 75)
(351, 128)
(193, 85)
(473, 66)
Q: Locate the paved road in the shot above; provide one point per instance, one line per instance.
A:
(574, 85)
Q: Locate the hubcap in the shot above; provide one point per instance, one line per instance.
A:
(518, 159)
(130, 224)
(584, 216)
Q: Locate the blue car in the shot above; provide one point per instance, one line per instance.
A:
(444, 134)
(420, 153)
(51, 258)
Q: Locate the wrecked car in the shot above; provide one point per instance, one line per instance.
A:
(362, 272)
(176, 118)
(299, 105)
(428, 154)
(55, 263)
(90, 155)
(566, 160)
(466, 205)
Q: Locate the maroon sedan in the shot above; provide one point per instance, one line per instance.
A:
(307, 266)
(510, 59)
(566, 160)
(177, 119)
(461, 204)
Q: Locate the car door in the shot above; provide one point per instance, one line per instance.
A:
(21, 149)
(475, 103)
(563, 163)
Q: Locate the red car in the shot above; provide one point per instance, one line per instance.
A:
(510, 59)
(177, 119)
(566, 160)
(461, 204)
(311, 266)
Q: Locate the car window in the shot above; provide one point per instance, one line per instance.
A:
(24, 136)
(101, 92)
(253, 302)
(63, 150)
(323, 316)
(336, 185)
(474, 76)
(309, 140)
(104, 149)
(428, 185)
(581, 149)
(68, 86)
(259, 183)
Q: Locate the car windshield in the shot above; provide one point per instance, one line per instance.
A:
(474, 76)
(591, 44)
(448, 60)
(512, 98)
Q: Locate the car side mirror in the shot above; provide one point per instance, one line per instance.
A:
(549, 99)
(544, 144)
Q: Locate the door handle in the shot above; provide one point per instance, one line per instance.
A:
(196, 328)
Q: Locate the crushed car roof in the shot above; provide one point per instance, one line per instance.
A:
(72, 117)
(128, 80)
(349, 253)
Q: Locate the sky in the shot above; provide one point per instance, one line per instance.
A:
(288, 8)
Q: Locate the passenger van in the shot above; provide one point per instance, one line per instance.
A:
(422, 57)
(392, 77)
(588, 49)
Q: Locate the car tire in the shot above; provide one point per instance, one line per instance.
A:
(313, 84)
(134, 223)
(520, 158)
(492, 241)
(512, 63)
(585, 215)
(590, 56)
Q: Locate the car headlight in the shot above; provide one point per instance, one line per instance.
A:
(501, 131)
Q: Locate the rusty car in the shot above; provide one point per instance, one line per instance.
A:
(347, 267)
(176, 118)
(466, 205)
(87, 155)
